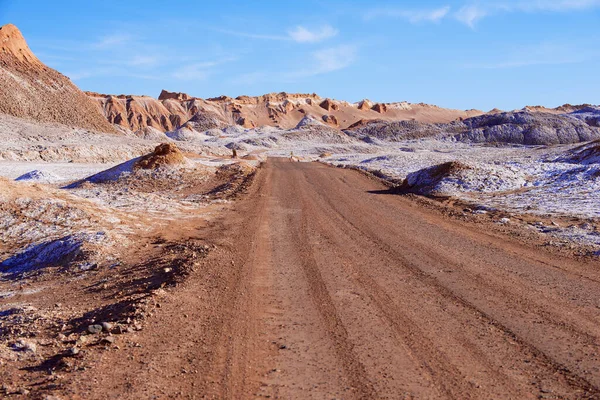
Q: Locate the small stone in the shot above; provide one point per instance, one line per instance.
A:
(73, 351)
(504, 220)
(107, 326)
(93, 329)
(167, 270)
(24, 345)
(108, 340)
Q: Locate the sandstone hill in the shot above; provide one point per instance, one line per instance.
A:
(29, 89)
(285, 110)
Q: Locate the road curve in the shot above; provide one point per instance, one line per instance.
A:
(334, 289)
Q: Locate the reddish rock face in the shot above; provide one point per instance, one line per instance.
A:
(329, 105)
(331, 120)
(30, 89)
(380, 108)
(365, 105)
(165, 95)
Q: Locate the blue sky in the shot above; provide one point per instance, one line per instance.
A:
(459, 54)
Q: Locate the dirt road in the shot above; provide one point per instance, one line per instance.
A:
(323, 286)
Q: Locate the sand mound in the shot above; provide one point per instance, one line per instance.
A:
(427, 180)
(164, 155)
(30, 89)
(453, 177)
(587, 154)
(39, 176)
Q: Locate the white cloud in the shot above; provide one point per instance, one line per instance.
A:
(252, 35)
(86, 73)
(301, 34)
(334, 58)
(413, 16)
(471, 13)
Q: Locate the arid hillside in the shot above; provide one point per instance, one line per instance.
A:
(284, 110)
(29, 89)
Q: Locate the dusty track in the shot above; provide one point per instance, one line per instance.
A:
(321, 287)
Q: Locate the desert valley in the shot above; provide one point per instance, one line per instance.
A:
(292, 246)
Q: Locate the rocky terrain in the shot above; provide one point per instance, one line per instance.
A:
(29, 89)
(525, 127)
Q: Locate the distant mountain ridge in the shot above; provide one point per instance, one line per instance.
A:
(284, 110)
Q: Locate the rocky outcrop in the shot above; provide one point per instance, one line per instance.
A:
(330, 120)
(589, 114)
(166, 95)
(329, 105)
(365, 105)
(516, 127)
(29, 89)
(521, 127)
(164, 155)
(380, 108)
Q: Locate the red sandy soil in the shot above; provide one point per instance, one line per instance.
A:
(323, 284)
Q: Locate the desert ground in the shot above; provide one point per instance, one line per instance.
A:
(292, 246)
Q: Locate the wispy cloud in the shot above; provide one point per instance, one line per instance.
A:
(143, 61)
(412, 15)
(471, 13)
(319, 62)
(86, 73)
(199, 70)
(334, 58)
(325, 61)
(298, 34)
(301, 34)
(542, 54)
(115, 39)
(251, 35)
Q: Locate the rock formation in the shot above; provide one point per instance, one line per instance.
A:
(164, 155)
(165, 95)
(331, 120)
(381, 108)
(29, 89)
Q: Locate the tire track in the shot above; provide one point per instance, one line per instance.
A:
(574, 380)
